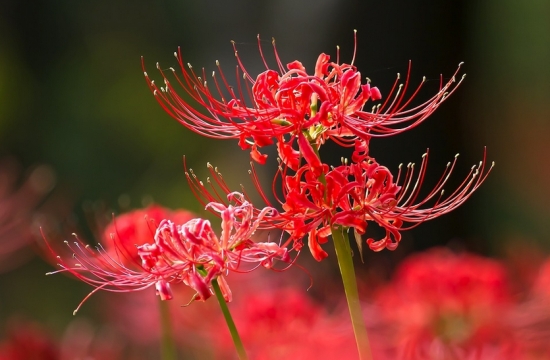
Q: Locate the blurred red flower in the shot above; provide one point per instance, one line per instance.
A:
(531, 319)
(25, 341)
(18, 201)
(443, 305)
(285, 323)
(128, 231)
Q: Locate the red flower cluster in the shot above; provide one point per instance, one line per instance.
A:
(299, 111)
(190, 253)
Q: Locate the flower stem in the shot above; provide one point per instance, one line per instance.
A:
(168, 347)
(229, 320)
(345, 261)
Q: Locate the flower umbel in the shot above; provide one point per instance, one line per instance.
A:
(193, 254)
(353, 194)
(362, 191)
(278, 105)
(189, 253)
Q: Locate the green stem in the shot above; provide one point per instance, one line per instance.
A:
(345, 261)
(229, 320)
(168, 347)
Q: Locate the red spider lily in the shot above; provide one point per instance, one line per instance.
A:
(351, 195)
(190, 253)
(198, 255)
(315, 198)
(327, 104)
(449, 306)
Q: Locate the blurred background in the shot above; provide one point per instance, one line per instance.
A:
(74, 106)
